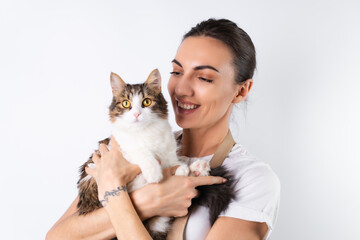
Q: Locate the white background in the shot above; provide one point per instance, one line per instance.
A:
(302, 114)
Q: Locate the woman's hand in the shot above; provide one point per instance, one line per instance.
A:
(112, 169)
(112, 173)
(171, 197)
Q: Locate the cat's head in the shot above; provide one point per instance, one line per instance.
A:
(137, 105)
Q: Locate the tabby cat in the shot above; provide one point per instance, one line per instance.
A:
(138, 114)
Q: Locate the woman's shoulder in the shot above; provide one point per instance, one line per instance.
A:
(243, 164)
(255, 177)
(257, 188)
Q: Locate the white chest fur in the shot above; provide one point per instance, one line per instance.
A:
(144, 146)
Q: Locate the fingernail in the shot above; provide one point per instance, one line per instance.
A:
(224, 180)
(91, 165)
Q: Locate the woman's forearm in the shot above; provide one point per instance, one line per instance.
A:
(169, 198)
(123, 215)
(95, 225)
(112, 174)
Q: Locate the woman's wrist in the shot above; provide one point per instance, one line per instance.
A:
(106, 195)
(123, 216)
(110, 183)
(145, 201)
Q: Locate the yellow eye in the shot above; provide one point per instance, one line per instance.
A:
(146, 102)
(126, 104)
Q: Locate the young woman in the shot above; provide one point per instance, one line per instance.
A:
(212, 71)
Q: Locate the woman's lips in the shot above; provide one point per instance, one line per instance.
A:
(186, 107)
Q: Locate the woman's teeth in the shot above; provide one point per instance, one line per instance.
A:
(187, 106)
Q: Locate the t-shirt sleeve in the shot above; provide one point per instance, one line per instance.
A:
(258, 194)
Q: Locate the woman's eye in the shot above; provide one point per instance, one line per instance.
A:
(175, 73)
(146, 102)
(126, 104)
(206, 80)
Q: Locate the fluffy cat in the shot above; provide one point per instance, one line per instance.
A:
(138, 114)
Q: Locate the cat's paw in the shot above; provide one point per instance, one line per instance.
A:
(199, 168)
(182, 170)
(153, 174)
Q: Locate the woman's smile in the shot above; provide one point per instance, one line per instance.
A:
(185, 107)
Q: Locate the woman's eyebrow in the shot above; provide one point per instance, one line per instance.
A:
(176, 62)
(204, 67)
(198, 67)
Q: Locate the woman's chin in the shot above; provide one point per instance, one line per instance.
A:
(184, 123)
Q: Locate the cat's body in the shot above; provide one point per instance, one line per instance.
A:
(138, 114)
(157, 143)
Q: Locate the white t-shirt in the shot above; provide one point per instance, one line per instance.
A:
(258, 194)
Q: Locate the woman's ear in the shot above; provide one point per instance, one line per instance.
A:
(243, 90)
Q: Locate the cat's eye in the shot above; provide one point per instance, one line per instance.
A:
(146, 102)
(126, 104)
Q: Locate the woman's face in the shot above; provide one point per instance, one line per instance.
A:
(202, 85)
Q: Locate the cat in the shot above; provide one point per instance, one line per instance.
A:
(138, 115)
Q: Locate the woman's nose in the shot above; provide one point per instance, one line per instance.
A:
(184, 87)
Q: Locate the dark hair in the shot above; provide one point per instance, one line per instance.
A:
(235, 38)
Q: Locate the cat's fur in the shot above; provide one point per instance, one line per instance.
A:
(145, 137)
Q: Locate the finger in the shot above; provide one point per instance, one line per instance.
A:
(173, 169)
(136, 169)
(103, 149)
(95, 157)
(193, 194)
(90, 171)
(132, 171)
(114, 143)
(207, 180)
(197, 193)
(170, 171)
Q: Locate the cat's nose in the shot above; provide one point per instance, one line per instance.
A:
(137, 115)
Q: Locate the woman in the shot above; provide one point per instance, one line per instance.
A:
(212, 71)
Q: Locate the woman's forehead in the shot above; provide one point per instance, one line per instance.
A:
(203, 50)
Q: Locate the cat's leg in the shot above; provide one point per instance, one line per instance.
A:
(150, 167)
(182, 170)
(199, 168)
(170, 159)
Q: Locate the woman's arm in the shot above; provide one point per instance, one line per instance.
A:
(95, 225)
(112, 174)
(171, 197)
(122, 214)
(237, 229)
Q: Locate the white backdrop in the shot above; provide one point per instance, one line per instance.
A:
(302, 116)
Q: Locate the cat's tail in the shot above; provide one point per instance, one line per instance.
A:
(217, 197)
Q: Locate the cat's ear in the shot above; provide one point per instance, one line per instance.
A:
(154, 80)
(117, 84)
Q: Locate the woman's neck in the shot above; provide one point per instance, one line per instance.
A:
(202, 142)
